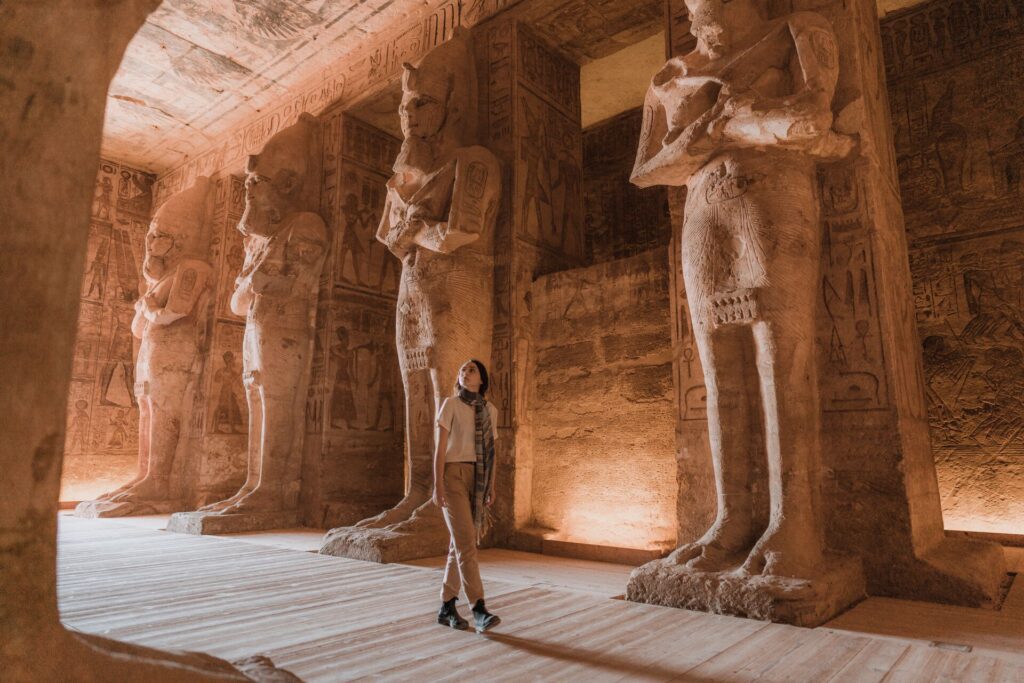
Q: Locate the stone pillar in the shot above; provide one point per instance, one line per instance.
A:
(355, 410)
(530, 118)
(52, 118)
(879, 492)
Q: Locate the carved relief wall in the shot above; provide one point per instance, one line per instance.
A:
(355, 409)
(102, 428)
(957, 98)
(620, 219)
(603, 405)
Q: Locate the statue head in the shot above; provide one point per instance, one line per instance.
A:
(177, 231)
(283, 179)
(438, 104)
(720, 26)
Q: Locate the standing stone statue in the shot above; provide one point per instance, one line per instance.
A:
(168, 320)
(285, 245)
(741, 122)
(438, 220)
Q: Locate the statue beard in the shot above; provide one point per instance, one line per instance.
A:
(260, 220)
(421, 155)
(153, 269)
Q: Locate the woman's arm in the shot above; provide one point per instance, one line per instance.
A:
(442, 445)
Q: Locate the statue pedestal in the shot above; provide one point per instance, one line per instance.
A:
(212, 523)
(409, 540)
(94, 509)
(801, 602)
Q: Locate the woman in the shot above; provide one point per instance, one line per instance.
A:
(463, 488)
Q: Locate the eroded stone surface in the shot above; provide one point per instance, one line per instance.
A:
(838, 584)
(285, 246)
(438, 220)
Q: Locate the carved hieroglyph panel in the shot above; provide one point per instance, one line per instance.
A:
(958, 120)
(620, 219)
(361, 262)
(548, 178)
(850, 343)
(227, 411)
(102, 414)
(363, 383)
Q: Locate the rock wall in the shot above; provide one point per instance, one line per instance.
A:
(620, 219)
(604, 468)
(102, 420)
(955, 74)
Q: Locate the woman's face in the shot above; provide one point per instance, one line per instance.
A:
(469, 377)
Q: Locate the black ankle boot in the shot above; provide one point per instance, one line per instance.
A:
(449, 616)
(484, 619)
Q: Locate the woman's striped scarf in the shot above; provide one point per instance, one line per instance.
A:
(484, 440)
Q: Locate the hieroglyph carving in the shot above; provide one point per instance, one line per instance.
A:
(438, 220)
(742, 121)
(169, 321)
(285, 245)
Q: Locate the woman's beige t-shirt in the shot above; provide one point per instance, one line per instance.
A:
(459, 418)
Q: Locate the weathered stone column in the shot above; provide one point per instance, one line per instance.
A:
(530, 118)
(51, 121)
(352, 465)
(878, 499)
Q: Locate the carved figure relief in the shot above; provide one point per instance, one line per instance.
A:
(167, 320)
(285, 245)
(958, 114)
(742, 121)
(103, 365)
(438, 221)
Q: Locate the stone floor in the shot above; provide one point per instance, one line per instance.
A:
(333, 619)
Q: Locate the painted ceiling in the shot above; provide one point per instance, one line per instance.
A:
(200, 68)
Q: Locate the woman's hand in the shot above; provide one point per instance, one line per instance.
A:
(439, 499)
(489, 500)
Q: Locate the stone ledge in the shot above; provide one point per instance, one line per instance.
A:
(212, 523)
(800, 602)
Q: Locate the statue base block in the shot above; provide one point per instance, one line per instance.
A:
(801, 602)
(95, 509)
(213, 523)
(386, 545)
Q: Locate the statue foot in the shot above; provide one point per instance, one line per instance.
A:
(426, 516)
(222, 505)
(785, 550)
(401, 512)
(120, 489)
(148, 488)
(257, 500)
(717, 549)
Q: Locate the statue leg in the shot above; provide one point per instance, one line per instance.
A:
(792, 544)
(273, 458)
(728, 405)
(419, 443)
(254, 400)
(160, 423)
(142, 468)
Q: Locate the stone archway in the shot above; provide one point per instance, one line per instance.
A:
(59, 58)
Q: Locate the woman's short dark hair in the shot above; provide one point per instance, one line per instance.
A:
(484, 380)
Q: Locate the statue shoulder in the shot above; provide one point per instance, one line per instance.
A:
(309, 227)
(804, 22)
